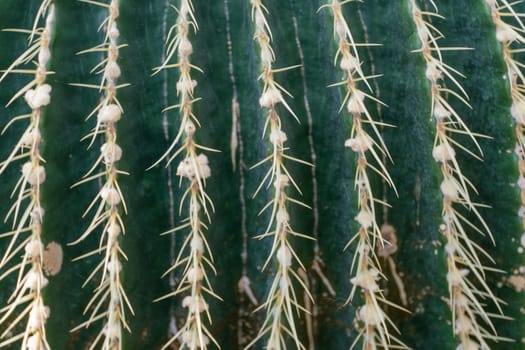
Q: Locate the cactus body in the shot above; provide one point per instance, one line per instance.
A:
(233, 122)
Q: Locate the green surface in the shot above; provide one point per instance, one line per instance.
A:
(415, 212)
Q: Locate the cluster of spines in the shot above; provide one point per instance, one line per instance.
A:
(109, 299)
(512, 38)
(370, 149)
(469, 317)
(195, 256)
(281, 303)
(28, 222)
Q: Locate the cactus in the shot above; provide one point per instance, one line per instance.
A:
(290, 174)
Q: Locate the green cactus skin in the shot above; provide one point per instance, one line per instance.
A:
(415, 213)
